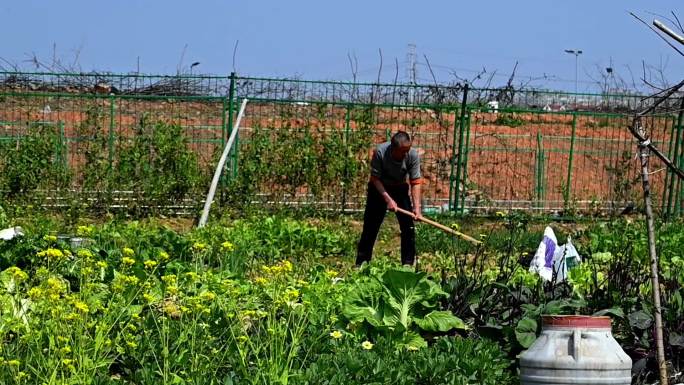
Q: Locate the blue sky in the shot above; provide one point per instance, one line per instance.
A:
(314, 39)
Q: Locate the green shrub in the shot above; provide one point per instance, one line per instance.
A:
(451, 360)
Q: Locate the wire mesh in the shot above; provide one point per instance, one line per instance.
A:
(559, 161)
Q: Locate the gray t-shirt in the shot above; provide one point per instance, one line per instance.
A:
(392, 172)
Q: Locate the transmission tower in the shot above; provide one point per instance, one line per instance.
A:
(411, 73)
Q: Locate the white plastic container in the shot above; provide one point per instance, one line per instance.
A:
(575, 350)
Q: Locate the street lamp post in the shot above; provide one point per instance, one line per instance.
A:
(193, 65)
(575, 52)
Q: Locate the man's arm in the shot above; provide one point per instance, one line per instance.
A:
(391, 204)
(376, 171)
(415, 181)
(415, 195)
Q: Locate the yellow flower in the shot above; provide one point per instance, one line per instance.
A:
(227, 246)
(171, 309)
(169, 279)
(35, 293)
(127, 252)
(65, 350)
(71, 317)
(13, 362)
(336, 334)
(412, 348)
(199, 246)
(18, 274)
(163, 256)
(260, 281)
(81, 306)
(127, 261)
(131, 344)
(291, 294)
(20, 376)
(150, 264)
(173, 290)
(50, 238)
(242, 339)
(367, 345)
(192, 276)
(102, 264)
(55, 285)
(148, 297)
(84, 230)
(67, 361)
(248, 313)
(85, 254)
(208, 296)
(331, 273)
(62, 339)
(455, 226)
(500, 214)
(286, 265)
(132, 280)
(52, 253)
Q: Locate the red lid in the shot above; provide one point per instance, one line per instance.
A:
(576, 321)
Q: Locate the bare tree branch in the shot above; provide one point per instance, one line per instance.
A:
(180, 61)
(678, 23)
(379, 69)
(434, 79)
(235, 47)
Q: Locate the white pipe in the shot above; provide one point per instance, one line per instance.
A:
(219, 167)
(668, 31)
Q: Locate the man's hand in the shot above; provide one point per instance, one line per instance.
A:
(417, 212)
(391, 204)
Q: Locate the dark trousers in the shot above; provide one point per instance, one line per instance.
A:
(374, 215)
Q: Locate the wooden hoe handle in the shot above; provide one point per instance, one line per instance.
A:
(440, 226)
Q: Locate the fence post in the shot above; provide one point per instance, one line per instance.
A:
(345, 141)
(231, 107)
(540, 171)
(464, 175)
(65, 146)
(668, 187)
(224, 117)
(572, 153)
(679, 155)
(461, 124)
(110, 141)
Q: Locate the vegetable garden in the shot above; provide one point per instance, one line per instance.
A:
(111, 283)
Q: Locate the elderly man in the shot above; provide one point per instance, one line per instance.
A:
(395, 170)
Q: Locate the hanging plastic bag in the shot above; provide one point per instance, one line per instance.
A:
(551, 261)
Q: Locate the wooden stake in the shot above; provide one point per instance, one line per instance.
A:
(644, 153)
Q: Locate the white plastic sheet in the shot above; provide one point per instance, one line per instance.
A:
(7, 234)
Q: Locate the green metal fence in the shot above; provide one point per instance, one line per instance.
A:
(147, 143)
(563, 162)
